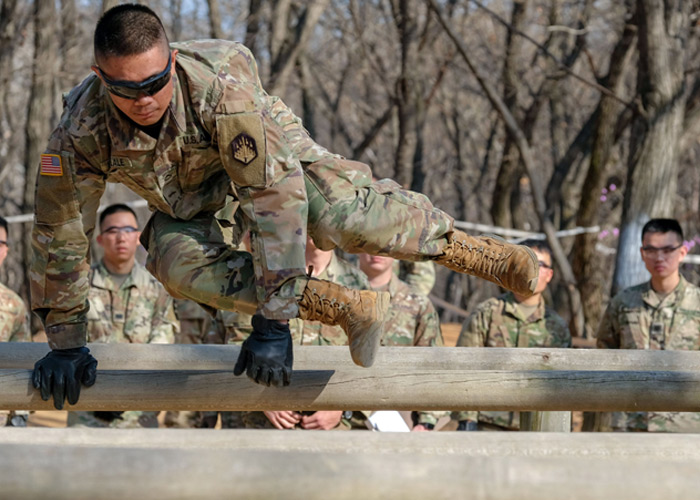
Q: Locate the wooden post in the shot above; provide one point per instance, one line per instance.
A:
(545, 421)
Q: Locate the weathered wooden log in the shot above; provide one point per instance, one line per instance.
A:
(374, 389)
(66, 471)
(598, 446)
(18, 355)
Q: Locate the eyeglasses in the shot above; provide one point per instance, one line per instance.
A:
(544, 264)
(664, 251)
(134, 90)
(115, 230)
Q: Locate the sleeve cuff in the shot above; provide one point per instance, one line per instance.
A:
(67, 336)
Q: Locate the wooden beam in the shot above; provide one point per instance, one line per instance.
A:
(374, 389)
(17, 355)
(68, 471)
(595, 446)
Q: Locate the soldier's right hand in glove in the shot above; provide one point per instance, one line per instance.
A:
(60, 373)
(266, 355)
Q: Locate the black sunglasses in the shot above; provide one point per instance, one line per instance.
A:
(134, 90)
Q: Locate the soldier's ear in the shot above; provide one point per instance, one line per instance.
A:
(96, 71)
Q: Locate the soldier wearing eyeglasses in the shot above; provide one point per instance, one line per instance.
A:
(512, 320)
(663, 313)
(127, 305)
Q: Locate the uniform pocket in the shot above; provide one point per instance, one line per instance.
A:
(242, 148)
(56, 200)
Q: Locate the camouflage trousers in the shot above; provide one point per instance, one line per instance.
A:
(198, 259)
(127, 420)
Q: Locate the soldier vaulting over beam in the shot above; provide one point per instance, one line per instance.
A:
(189, 127)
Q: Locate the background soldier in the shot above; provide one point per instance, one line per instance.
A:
(663, 313)
(512, 320)
(127, 304)
(14, 324)
(411, 319)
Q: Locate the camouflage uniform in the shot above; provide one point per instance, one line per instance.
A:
(229, 157)
(313, 332)
(14, 318)
(14, 327)
(420, 276)
(637, 318)
(138, 312)
(501, 322)
(412, 321)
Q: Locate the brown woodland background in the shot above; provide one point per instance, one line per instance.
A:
(536, 115)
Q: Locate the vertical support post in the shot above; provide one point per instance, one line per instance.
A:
(545, 421)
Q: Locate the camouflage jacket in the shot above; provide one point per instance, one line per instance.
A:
(419, 275)
(637, 319)
(501, 322)
(14, 319)
(217, 99)
(139, 312)
(412, 321)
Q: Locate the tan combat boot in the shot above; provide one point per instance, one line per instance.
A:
(513, 267)
(360, 313)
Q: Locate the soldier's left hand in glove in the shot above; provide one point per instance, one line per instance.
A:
(60, 373)
(266, 355)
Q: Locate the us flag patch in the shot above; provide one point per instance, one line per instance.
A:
(51, 165)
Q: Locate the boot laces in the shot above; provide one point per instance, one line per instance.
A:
(321, 308)
(480, 260)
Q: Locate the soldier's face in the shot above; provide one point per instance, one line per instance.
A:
(3, 245)
(374, 265)
(117, 237)
(546, 271)
(145, 109)
(662, 254)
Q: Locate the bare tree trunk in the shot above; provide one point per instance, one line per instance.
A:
(8, 35)
(653, 163)
(176, 16)
(214, 19)
(71, 34)
(253, 25)
(41, 105)
(507, 178)
(307, 96)
(588, 271)
(406, 90)
(288, 41)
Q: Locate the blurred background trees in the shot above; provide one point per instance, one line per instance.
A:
(605, 96)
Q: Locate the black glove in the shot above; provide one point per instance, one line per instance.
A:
(266, 355)
(467, 425)
(61, 372)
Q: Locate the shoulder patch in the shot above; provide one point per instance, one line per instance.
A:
(51, 165)
(243, 148)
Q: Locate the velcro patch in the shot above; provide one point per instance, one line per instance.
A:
(51, 165)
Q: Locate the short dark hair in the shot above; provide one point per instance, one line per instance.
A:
(3, 223)
(116, 208)
(663, 226)
(539, 245)
(128, 29)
